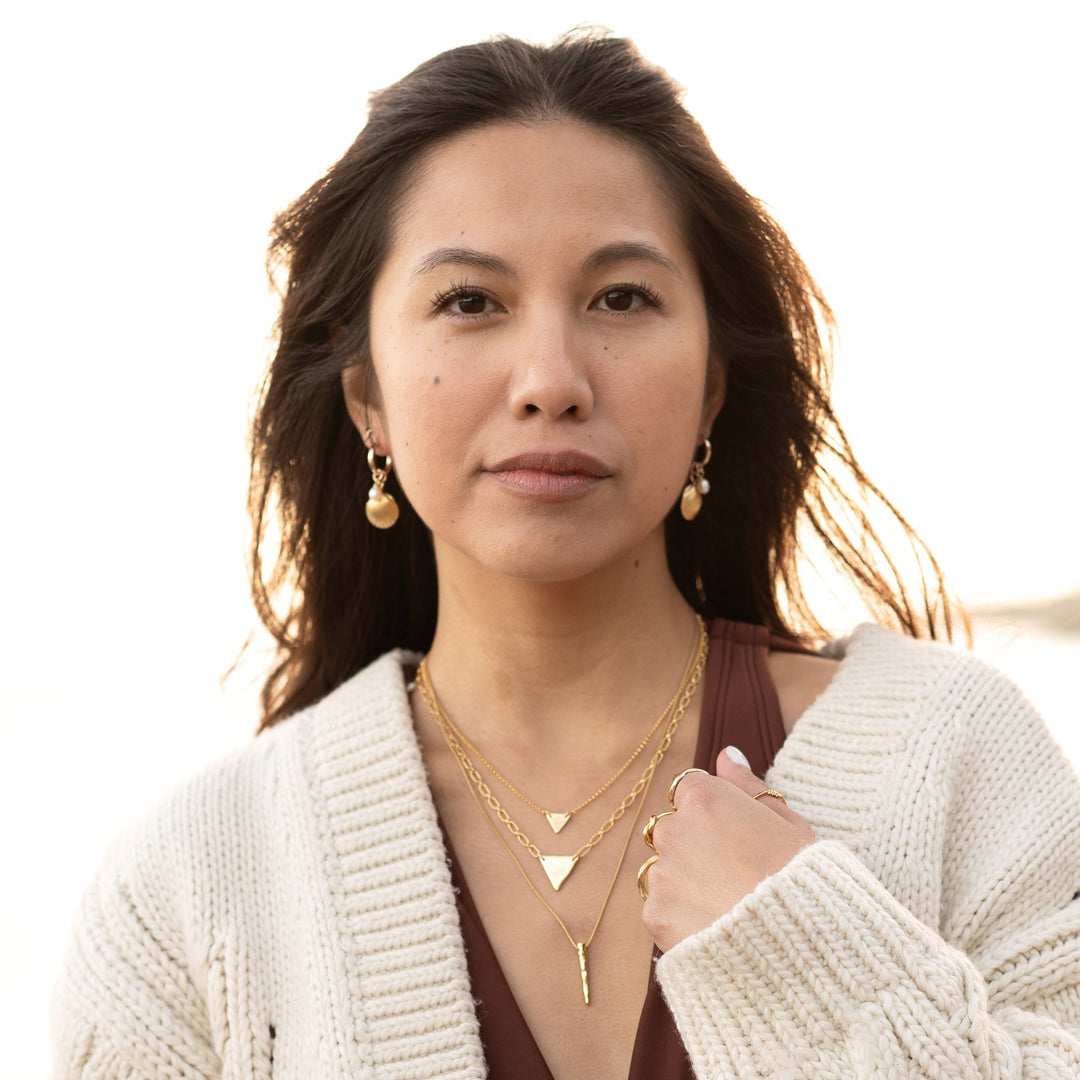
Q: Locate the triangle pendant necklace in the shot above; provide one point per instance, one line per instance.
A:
(558, 867)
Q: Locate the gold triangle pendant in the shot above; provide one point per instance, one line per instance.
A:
(557, 868)
(557, 821)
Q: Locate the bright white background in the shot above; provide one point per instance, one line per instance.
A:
(922, 156)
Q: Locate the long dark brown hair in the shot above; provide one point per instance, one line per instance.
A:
(336, 593)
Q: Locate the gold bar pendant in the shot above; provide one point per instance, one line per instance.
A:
(582, 963)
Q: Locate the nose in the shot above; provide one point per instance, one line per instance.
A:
(551, 376)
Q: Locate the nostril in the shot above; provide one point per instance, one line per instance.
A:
(572, 410)
(532, 408)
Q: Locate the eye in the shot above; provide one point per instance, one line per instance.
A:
(469, 304)
(627, 299)
(463, 301)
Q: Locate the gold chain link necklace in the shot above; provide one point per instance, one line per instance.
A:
(558, 867)
(559, 819)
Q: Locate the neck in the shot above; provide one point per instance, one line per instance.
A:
(529, 665)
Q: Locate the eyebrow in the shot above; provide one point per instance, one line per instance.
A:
(628, 251)
(450, 256)
(620, 251)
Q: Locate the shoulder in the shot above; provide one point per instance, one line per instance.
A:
(250, 785)
(799, 680)
(904, 720)
(873, 670)
(895, 693)
(888, 675)
(937, 772)
(239, 815)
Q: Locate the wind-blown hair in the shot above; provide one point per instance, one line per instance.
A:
(336, 593)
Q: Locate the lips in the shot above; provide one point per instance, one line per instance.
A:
(549, 475)
(557, 462)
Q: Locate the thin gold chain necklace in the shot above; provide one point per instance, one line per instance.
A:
(558, 867)
(580, 947)
(557, 820)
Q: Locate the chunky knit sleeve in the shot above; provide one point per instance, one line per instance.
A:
(127, 1005)
(943, 941)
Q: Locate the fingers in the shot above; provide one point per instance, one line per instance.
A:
(732, 766)
(716, 847)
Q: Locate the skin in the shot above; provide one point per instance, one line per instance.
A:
(540, 346)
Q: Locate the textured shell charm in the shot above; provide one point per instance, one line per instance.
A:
(690, 504)
(381, 509)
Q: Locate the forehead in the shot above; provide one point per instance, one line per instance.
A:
(536, 187)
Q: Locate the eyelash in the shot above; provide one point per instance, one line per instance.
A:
(649, 295)
(460, 290)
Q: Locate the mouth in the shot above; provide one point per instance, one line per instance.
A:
(550, 475)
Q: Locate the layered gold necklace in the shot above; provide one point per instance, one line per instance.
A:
(580, 947)
(557, 819)
(558, 867)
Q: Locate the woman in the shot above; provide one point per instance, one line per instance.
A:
(575, 375)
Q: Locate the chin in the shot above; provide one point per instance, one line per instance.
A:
(561, 560)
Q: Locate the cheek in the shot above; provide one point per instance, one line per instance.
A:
(673, 400)
(671, 411)
(431, 409)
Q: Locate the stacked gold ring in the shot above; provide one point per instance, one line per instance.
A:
(642, 888)
(677, 781)
(774, 794)
(646, 833)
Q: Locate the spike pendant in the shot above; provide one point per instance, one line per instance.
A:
(583, 964)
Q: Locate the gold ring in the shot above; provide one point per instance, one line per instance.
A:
(642, 889)
(646, 833)
(774, 794)
(675, 783)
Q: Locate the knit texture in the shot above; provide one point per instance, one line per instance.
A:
(289, 913)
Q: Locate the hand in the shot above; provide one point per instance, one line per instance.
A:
(719, 846)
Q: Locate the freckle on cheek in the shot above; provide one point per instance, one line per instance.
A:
(436, 380)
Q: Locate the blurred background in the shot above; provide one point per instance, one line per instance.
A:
(922, 157)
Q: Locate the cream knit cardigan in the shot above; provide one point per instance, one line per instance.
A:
(289, 913)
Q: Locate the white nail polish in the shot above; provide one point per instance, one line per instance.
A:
(737, 757)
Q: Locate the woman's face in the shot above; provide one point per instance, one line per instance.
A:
(540, 343)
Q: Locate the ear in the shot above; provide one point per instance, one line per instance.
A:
(363, 412)
(715, 394)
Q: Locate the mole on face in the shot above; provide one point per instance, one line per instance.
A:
(436, 380)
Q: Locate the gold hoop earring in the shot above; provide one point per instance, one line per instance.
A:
(696, 486)
(381, 509)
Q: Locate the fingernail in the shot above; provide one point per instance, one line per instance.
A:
(736, 756)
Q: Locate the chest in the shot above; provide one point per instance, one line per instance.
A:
(523, 935)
